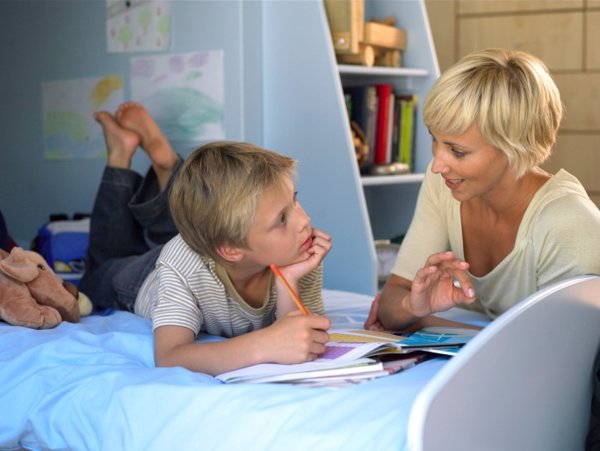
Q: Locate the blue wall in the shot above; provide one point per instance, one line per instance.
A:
(282, 91)
(44, 41)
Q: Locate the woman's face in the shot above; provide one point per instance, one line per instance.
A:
(470, 166)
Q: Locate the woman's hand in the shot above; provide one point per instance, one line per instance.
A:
(372, 322)
(440, 285)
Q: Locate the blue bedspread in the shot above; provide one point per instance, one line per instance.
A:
(93, 386)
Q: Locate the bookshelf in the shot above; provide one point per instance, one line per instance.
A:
(305, 117)
(349, 70)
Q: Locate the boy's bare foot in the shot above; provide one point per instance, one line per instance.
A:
(134, 117)
(120, 142)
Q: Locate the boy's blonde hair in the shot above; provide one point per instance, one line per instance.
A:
(508, 94)
(215, 195)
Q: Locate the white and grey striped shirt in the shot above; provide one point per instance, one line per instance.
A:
(186, 289)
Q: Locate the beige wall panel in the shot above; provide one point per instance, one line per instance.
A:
(593, 3)
(442, 14)
(500, 6)
(555, 38)
(580, 94)
(593, 39)
(580, 155)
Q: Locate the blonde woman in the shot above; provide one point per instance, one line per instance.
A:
(490, 227)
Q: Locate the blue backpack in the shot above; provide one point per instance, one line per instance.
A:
(64, 243)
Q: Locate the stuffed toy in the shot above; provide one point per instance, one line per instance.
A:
(361, 146)
(31, 295)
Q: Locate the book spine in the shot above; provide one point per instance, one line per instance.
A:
(363, 110)
(407, 130)
(389, 155)
(397, 128)
(383, 111)
(371, 126)
(348, 100)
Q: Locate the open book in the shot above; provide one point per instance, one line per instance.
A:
(357, 355)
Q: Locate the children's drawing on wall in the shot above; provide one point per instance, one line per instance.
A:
(184, 93)
(137, 25)
(68, 106)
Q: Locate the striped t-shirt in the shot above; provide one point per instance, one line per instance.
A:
(189, 290)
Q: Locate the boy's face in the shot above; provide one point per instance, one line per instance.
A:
(281, 233)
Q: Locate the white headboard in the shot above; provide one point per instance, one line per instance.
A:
(523, 383)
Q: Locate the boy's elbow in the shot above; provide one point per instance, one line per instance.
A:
(161, 361)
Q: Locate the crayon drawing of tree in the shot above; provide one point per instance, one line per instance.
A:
(125, 36)
(145, 19)
(163, 27)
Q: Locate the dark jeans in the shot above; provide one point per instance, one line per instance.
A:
(129, 224)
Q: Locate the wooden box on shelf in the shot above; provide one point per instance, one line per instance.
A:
(346, 22)
(376, 42)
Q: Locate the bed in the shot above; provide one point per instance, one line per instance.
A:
(93, 386)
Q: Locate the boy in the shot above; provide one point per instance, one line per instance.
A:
(236, 210)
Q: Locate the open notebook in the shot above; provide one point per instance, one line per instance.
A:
(358, 355)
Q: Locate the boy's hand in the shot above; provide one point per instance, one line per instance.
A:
(296, 338)
(321, 245)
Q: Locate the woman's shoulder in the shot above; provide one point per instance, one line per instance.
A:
(563, 183)
(561, 191)
(563, 203)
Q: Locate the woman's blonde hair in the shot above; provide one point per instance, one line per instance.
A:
(215, 195)
(509, 95)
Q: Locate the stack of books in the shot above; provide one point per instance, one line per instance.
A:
(388, 120)
(354, 356)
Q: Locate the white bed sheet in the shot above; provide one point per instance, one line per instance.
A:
(93, 386)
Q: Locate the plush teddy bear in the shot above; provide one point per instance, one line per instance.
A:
(31, 295)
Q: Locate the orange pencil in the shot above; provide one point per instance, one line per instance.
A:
(293, 294)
